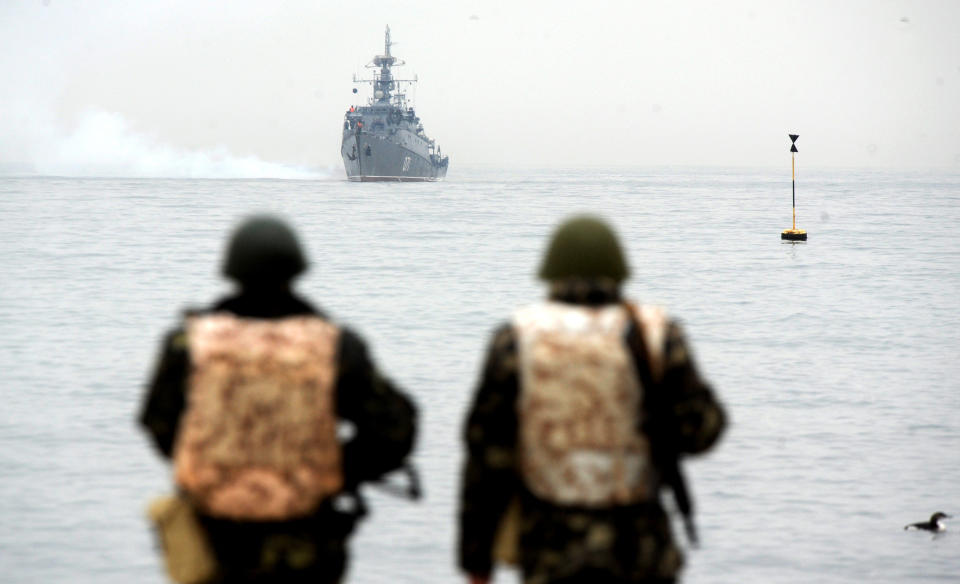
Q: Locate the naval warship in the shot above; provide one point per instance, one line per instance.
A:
(384, 140)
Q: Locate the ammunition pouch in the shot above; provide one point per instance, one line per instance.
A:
(506, 544)
(187, 553)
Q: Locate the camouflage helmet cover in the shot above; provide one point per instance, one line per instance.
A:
(584, 246)
(263, 250)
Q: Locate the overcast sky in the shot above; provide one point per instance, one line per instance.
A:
(182, 86)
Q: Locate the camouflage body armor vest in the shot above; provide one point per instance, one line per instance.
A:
(580, 404)
(257, 441)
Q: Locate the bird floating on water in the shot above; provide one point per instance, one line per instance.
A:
(935, 523)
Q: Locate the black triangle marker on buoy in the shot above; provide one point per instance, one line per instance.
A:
(794, 234)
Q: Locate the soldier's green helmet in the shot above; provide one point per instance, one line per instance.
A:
(584, 246)
(263, 251)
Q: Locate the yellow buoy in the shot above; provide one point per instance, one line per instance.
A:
(793, 234)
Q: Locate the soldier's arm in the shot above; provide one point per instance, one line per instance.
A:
(698, 419)
(165, 398)
(489, 478)
(383, 417)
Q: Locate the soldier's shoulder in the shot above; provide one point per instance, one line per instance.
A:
(651, 312)
(175, 339)
(350, 337)
(352, 347)
(503, 338)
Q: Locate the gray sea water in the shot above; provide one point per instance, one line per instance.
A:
(836, 358)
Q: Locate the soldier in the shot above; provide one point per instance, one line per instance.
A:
(250, 399)
(584, 405)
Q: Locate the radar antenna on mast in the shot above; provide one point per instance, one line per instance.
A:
(384, 83)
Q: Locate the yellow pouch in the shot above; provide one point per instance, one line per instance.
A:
(506, 543)
(188, 554)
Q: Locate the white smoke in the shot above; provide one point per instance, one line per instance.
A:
(103, 144)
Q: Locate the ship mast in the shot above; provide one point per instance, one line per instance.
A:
(383, 84)
(383, 81)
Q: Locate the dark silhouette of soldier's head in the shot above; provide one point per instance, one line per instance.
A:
(264, 253)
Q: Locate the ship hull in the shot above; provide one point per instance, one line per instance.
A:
(374, 157)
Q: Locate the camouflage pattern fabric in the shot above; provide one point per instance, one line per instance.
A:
(259, 437)
(619, 544)
(579, 407)
(561, 543)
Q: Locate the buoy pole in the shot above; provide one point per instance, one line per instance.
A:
(793, 186)
(793, 234)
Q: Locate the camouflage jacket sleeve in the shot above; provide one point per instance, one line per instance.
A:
(166, 394)
(683, 415)
(384, 418)
(489, 479)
